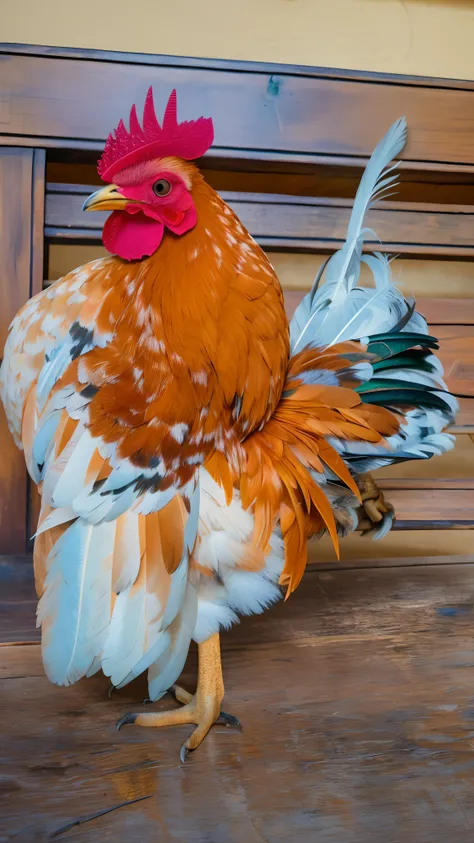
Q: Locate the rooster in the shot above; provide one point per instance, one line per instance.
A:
(186, 441)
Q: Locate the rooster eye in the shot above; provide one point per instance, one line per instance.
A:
(161, 187)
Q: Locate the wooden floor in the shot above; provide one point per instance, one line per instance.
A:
(357, 699)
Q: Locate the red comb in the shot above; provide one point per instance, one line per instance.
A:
(187, 140)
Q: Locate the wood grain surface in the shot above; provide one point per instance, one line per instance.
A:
(357, 702)
(276, 112)
(298, 223)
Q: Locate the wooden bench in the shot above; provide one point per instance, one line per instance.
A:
(290, 146)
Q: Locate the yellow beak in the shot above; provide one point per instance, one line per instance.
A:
(106, 199)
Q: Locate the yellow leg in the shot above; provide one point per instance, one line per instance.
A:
(374, 506)
(202, 709)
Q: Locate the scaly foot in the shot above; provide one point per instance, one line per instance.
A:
(202, 709)
(376, 515)
(185, 698)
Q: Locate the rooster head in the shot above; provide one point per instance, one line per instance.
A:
(149, 179)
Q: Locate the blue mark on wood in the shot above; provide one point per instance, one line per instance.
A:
(452, 611)
(273, 87)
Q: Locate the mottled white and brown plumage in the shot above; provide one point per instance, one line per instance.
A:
(184, 450)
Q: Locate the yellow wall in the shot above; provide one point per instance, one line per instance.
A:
(426, 37)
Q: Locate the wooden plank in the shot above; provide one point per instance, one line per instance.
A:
(38, 211)
(420, 483)
(18, 599)
(356, 699)
(457, 356)
(13, 494)
(447, 311)
(433, 509)
(422, 278)
(297, 222)
(243, 160)
(296, 271)
(68, 99)
(457, 465)
(436, 311)
(36, 285)
(428, 542)
(233, 64)
(21, 269)
(319, 180)
(360, 561)
(465, 417)
(16, 175)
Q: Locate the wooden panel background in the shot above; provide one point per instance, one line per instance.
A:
(22, 173)
(312, 224)
(288, 156)
(276, 111)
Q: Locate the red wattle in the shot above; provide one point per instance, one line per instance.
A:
(132, 236)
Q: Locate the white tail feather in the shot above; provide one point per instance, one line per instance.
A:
(343, 268)
(74, 610)
(166, 669)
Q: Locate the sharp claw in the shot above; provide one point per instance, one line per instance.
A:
(147, 701)
(172, 691)
(184, 752)
(111, 690)
(229, 720)
(125, 720)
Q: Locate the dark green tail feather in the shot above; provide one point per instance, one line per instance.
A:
(377, 383)
(401, 350)
(409, 397)
(389, 345)
(411, 359)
